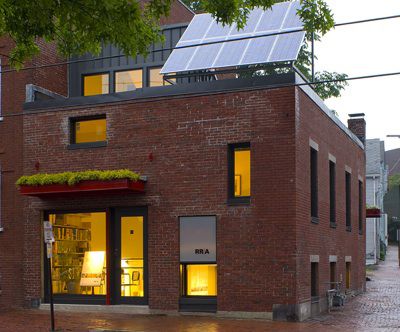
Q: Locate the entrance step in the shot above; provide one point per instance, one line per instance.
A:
(118, 309)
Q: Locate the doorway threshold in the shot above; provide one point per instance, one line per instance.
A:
(118, 309)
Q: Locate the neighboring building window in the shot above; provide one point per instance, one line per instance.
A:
(239, 166)
(95, 84)
(157, 79)
(314, 184)
(332, 274)
(198, 267)
(314, 279)
(348, 274)
(128, 80)
(88, 130)
(332, 193)
(348, 201)
(360, 206)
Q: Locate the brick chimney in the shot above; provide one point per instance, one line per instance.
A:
(357, 125)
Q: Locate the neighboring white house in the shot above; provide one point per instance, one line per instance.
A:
(376, 187)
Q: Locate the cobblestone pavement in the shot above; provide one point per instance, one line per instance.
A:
(376, 310)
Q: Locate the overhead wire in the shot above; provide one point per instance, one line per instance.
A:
(68, 62)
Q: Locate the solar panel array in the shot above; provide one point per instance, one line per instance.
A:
(282, 17)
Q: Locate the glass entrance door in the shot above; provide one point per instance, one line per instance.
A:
(130, 268)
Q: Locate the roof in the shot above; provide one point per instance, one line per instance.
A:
(374, 150)
(392, 158)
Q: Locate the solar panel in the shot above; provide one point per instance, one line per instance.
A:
(203, 29)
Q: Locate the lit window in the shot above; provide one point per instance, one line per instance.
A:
(88, 131)
(201, 280)
(128, 80)
(95, 84)
(79, 253)
(157, 79)
(239, 170)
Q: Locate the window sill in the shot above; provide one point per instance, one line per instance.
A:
(239, 201)
(348, 228)
(333, 225)
(87, 145)
(315, 220)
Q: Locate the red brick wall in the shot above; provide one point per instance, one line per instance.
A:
(259, 261)
(320, 239)
(13, 245)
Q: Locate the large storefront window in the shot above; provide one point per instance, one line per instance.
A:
(79, 253)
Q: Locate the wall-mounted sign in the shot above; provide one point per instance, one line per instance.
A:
(198, 239)
(48, 232)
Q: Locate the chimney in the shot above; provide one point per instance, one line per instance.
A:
(356, 124)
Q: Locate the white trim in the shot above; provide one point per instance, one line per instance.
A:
(332, 158)
(332, 258)
(360, 178)
(347, 169)
(347, 259)
(314, 258)
(313, 144)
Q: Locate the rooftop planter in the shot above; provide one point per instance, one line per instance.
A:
(373, 212)
(47, 185)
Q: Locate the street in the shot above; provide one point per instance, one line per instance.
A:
(376, 310)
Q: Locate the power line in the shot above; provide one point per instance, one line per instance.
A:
(195, 45)
(271, 87)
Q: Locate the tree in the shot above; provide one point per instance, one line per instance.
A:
(80, 26)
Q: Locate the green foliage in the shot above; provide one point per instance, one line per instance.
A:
(80, 26)
(304, 63)
(394, 181)
(72, 178)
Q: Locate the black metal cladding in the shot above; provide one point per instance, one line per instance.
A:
(118, 62)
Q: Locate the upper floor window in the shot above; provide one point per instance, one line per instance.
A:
(360, 206)
(157, 79)
(239, 171)
(314, 184)
(92, 130)
(332, 193)
(348, 201)
(95, 84)
(128, 80)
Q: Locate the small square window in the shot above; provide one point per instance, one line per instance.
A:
(128, 80)
(89, 131)
(157, 79)
(239, 165)
(95, 84)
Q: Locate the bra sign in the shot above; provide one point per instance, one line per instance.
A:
(201, 251)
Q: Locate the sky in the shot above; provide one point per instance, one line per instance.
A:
(363, 49)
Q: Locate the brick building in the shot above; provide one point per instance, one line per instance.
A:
(253, 200)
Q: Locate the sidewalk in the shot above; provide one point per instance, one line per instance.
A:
(376, 310)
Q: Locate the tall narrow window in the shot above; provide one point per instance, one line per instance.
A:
(314, 279)
(332, 193)
(348, 201)
(91, 130)
(348, 275)
(239, 162)
(314, 184)
(332, 274)
(128, 80)
(360, 206)
(95, 84)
